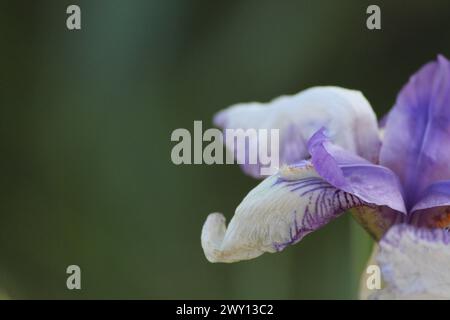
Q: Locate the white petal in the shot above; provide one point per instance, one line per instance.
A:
(415, 264)
(346, 114)
(280, 211)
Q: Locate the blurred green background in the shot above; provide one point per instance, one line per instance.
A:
(85, 125)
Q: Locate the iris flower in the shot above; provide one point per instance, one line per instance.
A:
(337, 158)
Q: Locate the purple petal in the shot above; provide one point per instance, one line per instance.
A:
(416, 143)
(436, 195)
(433, 209)
(372, 183)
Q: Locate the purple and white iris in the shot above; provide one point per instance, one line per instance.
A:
(336, 159)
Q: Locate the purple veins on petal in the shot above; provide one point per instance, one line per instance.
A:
(280, 211)
(324, 203)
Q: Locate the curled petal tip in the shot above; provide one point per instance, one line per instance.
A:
(213, 233)
(227, 245)
(282, 210)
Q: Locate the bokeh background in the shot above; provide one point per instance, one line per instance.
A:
(85, 125)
